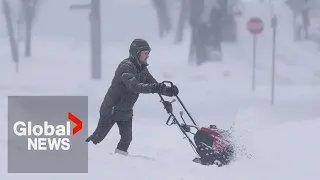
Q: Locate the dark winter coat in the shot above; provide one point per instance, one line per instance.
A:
(129, 81)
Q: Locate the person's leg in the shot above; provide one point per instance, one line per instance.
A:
(103, 128)
(125, 130)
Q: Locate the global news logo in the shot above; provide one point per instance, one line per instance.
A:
(47, 136)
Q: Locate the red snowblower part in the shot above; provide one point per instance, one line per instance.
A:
(213, 145)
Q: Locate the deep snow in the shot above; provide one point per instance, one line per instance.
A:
(282, 138)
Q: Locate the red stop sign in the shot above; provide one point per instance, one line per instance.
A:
(255, 25)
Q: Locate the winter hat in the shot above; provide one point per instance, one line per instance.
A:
(137, 46)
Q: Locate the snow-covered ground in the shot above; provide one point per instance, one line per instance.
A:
(282, 138)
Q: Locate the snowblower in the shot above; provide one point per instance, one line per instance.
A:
(212, 145)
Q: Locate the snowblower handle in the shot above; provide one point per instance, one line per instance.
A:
(171, 83)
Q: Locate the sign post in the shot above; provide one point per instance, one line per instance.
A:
(255, 27)
(274, 22)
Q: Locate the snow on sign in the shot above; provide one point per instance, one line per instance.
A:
(255, 25)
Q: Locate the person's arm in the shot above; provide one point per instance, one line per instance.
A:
(128, 78)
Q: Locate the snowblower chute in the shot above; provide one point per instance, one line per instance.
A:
(211, 144)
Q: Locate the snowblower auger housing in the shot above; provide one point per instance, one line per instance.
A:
(212, 145)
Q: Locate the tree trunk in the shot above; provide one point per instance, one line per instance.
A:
(95, 22)
(183, 15)
(13, 42)
(29, 9)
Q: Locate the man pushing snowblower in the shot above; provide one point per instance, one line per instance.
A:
(132, 78)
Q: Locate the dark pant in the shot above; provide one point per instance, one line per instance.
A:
(105, 125)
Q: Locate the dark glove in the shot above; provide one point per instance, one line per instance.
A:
(159, 88)
(171, 91)
(174, 90)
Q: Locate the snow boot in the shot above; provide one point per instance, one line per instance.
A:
(118, 151)
(93, 139)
